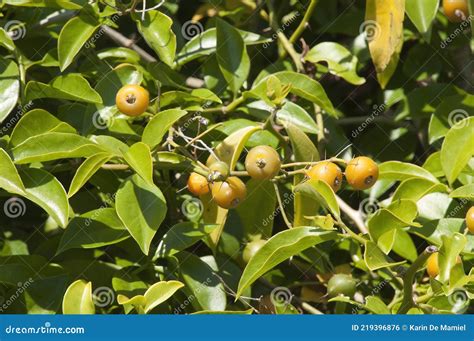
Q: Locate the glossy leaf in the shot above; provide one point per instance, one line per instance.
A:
(37, 122)
(53, 146)
(93, 229)
(156, 29)
(72, 87)
(160, 292)
(141, 207)
(422, 13)
(340, 61)
(396, 170)
(47, 192)
(291, 113)
(9, 87)
(159, 126)
(280, 247)
(466, 191)
(375, 259)
(202, 283)
(73, 36)
(204, 44)
(9, 178)
(139, 158)
(232, 56)
(78, 298)
(449, 251)
(182, 236)
(320, 191)
(416, 188)
(457, 148)
(86, 170)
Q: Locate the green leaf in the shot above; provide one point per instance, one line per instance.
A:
(301, 85)
(396, 170)
(9, 178)
(181, 98)
(457, 148)
(72, 87)
(93, 229)
(181, 236)
(47, 192)
(339, 60)
(201, 281)
(6, 41)
(160, 292)
(416, 188)
(292, 113)
(384, 222)
(62, 4)
(159, 126)
(36, 122)
(204, 44)
(404, 245)
(53, 146)
(9, 86)
(156, 29)
(451, 110)
(466, 191)
(138, 157)
(322, 192)
(86, 170)
(449, 251)
(303, 148)
(142, 208)
(280, 247)
(78, 298)
(74, 35)
(375, 259)
(376, 305)
(256, 212)
(422, 13)
(232, 56)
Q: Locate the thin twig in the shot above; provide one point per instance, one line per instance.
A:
(353, 214)
(282, 208)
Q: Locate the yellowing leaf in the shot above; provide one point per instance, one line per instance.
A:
(385, 19)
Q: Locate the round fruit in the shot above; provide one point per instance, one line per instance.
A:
(341, 284)
(197, 184)
(230, 193)
(132, 100)
(470, 220)
(328, 172)
(251, 249)
(218, 171)
(262, 162)
(362, 173)
(432, 265)
(456, 10)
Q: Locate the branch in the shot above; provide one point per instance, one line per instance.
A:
(353, 214)
(408, 300)
(302, 26)
(120, 39)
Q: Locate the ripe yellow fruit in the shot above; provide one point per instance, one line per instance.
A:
(132, 100)
(470, 220)
(230, 193)
(362, 173)
(328, 172)
(432, 265)
(262, 162)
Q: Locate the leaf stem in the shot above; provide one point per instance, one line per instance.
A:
(282, 207)
(304, 23)
(408, 299)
